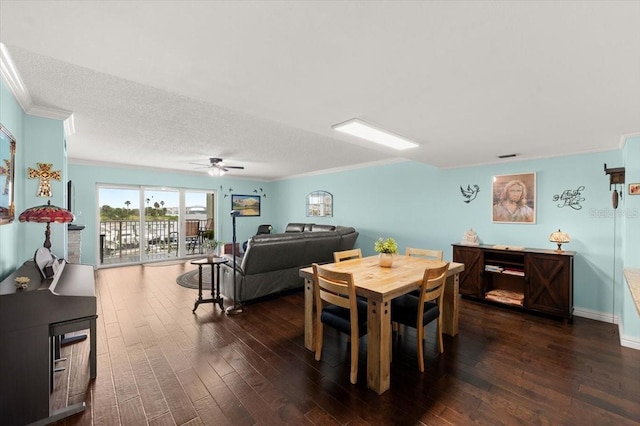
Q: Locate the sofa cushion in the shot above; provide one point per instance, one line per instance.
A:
(296, 227)
(320, 228)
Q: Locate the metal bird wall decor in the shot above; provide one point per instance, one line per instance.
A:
(262, 194)
(470, 193)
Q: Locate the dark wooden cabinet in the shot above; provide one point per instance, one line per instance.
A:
(471, 279)
(528, 279)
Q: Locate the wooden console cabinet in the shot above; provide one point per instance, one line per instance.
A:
(532, 279)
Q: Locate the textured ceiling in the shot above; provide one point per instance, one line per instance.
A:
(166, 83)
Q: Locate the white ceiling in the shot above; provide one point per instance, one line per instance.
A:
(166, 83)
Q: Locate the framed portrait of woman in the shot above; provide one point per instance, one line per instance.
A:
(514, 198)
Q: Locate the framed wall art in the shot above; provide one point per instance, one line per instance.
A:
(514, 198)
(634, 189)
(247, 205)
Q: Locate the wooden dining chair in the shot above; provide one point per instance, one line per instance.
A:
(428, 253)
(425, 254)
(339, 256)
(337, 306)
(418, 311)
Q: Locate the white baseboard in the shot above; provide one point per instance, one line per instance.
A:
(595, 315)
(632, 342)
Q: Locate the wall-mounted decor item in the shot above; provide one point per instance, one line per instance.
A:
(7, 167)
(570, 198)
(470, 193)
(319, 204)
(262, 193)
(44, 173)
(616, 177)
(514, 198)
(634, 189)
(247, 205)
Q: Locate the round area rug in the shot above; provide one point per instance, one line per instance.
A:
(190, 279)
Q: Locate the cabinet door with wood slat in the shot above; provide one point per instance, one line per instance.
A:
(549, 284)
(471, 279)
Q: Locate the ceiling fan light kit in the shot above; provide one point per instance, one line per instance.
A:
(217, 167)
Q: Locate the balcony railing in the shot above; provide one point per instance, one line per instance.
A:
(121, 240)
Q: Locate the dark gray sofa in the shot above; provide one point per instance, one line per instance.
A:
(271, 262)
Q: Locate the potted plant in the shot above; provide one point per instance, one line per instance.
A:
(387, 248)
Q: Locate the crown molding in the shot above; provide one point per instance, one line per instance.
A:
(48, 112)
(11, 77)
(625, 138)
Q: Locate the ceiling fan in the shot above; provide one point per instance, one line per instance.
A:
(217, 167)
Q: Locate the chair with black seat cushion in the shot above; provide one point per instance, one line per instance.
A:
(338, 307)
(339, 256)
(425, 254)
(418, 311)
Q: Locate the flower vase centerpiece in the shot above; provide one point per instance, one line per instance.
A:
(387, 249)
(210, 244)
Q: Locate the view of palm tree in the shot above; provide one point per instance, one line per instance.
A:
(129, 233)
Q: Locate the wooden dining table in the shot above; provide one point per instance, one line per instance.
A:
(379, 285)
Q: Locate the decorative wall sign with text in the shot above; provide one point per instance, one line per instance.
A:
(45, 175)
(570, 198)
(470, 193)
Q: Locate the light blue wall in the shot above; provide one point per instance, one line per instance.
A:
(417, 204)
(629, 317)
(11, 117)
(44, 139)
(85, 179)
(422, 206)
(38, 140)
(631, 205)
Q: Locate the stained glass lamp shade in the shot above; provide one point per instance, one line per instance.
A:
(559, 238)
(46, 213)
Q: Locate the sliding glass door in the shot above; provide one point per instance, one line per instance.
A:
(145, 224)
(160, 224)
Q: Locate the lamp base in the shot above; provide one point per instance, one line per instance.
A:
(559, 248)
(47, 237)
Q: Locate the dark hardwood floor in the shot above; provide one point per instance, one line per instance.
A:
(159, 364)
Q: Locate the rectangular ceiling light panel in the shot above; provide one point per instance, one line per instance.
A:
(360, 129)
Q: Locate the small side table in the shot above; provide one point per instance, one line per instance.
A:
(216, 297)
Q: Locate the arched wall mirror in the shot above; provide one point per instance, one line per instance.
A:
(7, 167)
(319, 204)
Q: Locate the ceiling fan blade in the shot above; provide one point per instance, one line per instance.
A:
(235, 167)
